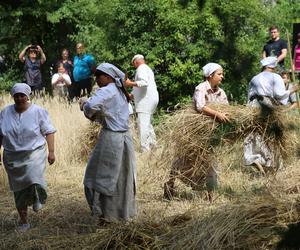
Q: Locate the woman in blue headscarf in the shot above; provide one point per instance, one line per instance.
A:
(110, 177)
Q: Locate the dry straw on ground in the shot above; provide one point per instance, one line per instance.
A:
(192, 139)
(249, 212)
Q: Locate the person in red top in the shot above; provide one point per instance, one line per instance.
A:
(296, 59)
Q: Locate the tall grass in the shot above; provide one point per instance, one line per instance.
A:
(249, 211)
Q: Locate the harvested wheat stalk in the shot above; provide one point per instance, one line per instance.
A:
(191, 142)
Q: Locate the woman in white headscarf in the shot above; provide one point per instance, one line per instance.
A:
(266, 91)
(25, 128)
(207, 92)
(110, 175)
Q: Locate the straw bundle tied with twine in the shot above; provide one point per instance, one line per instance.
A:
(191, 140)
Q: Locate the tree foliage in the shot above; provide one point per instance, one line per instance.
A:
(178, 37)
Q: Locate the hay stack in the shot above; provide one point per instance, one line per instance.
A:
(192, 140)
(88, 139)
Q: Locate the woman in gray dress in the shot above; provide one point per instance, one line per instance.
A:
(25, 128)
(110, 175)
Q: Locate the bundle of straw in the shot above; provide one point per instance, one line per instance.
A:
(89, 138)
(192, 140)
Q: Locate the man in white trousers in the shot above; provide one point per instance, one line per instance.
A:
(146, 99)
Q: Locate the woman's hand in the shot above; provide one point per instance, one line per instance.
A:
(222, 117)
(39, 48)
(51, 158)
(81, 102)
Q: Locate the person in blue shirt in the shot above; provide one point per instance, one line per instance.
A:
(84, 67)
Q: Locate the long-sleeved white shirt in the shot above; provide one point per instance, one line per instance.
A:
(109, 107)
(24, 131)
(145, 94)
(268, 84)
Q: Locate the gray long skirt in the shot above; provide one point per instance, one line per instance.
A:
(110, 177)
(25, 170)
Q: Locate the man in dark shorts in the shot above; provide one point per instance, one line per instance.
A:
(84, 67)
(276, 47)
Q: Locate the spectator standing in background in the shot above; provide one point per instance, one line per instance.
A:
(84, 67)
(296, 59)
(68, 65)
(60, 82)
(292, 100)
(32, 66)
(276, 47)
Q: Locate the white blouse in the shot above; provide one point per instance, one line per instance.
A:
(24, 131)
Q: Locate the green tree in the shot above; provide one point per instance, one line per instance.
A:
(178, 37)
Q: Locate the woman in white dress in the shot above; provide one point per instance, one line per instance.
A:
(25, 128)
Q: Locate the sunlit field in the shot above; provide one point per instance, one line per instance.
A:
(249, 211)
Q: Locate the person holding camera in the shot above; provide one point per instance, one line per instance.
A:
(32, 65)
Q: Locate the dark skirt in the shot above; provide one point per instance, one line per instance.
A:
(30, 195)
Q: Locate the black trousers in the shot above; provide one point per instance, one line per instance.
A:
(81, 88)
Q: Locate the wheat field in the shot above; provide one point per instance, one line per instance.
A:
(249, 211)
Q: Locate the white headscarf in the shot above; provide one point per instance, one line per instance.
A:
(138, 56)
(112, 71)
(21, 88)
(270, 61)
(210, 68)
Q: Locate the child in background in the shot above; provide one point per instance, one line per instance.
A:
(60, 82)
(292, 102)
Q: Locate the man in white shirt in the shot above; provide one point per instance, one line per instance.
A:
(146, 99)
(266, 91)
(268, 85)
